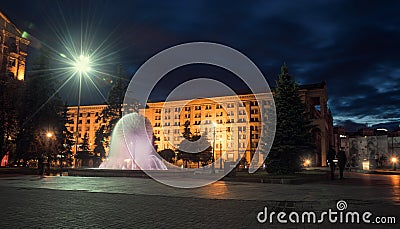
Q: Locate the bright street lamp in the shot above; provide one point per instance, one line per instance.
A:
(307, 163)
(82, 64)
(49, 134)
(394, 161)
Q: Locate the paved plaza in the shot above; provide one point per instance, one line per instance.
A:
(111, 202)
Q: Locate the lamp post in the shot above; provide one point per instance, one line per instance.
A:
(220, 153)
(213, 151)
(82, 66)
(394, 161)
(49, 136)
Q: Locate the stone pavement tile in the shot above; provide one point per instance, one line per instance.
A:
(44, 208)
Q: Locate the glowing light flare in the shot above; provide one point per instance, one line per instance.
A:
(394, 159)
(82, 64)
(307, 162)
(49, 134)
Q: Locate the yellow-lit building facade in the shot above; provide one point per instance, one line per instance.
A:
(88, 123)
(237, 125)
(13, 49)
(233, 122)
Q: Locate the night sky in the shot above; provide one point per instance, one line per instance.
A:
(353, 45)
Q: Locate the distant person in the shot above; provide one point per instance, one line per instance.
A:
(342, 159)
(377, 160)
(331, 157)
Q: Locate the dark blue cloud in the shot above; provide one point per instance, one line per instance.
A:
(353, 45)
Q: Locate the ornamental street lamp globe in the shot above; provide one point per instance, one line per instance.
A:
(82, 64)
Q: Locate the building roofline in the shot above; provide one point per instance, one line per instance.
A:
(12, 24)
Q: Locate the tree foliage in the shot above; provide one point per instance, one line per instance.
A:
(10, 99)
(40, 112)
(112, 113)
(203, 148)
(168, 155)
(66, 136)
(293, 128)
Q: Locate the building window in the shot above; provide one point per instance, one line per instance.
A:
(187, 108)
(197, 108)
(208, 107)
(158, 111)
(253, 119)
(254, 128)
(253, 103)
(11, 62)
(198, 115)
(265, 102)
(231, 105)
(218, 106)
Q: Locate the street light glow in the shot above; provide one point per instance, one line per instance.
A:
(49, 134)
(394, 159)
(82, 64)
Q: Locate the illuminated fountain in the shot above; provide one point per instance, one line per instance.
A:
(131, 145)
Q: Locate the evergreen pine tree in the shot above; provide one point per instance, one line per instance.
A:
(66, 137)
(112, 113)
(293, 128)
(203, 150)
(83, 149)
